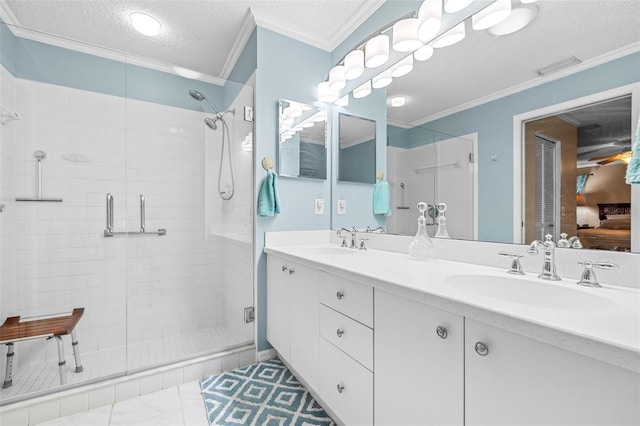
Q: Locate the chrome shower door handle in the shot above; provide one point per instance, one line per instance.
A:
(109, 230)
(142, 218)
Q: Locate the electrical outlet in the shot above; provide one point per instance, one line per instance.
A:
(342, 207)
(319, 206)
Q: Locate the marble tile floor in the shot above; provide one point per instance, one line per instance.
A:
(178, 406)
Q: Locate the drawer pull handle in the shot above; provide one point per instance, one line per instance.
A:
(339, 295)
(340, 388)
(284, 268)
(291, 271)
(442, 332)
(482, 349)
(339, 332)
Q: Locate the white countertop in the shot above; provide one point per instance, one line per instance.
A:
(605, 327)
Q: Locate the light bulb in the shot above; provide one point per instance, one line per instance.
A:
(451, 37)
(404, 67)
(424, 53)
(405, 35)
(491, 15)
(354, 64)
(376, 51)
(363, 90)
(337, 81)
(429, 19)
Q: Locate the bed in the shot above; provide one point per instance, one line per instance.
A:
(614, 232)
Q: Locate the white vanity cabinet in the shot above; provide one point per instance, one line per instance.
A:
(419, 363)
(293, 315)
(514, 380)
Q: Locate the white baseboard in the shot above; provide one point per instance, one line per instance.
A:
(266, 355)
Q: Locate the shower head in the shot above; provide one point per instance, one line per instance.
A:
(211, 123)
(200, 97)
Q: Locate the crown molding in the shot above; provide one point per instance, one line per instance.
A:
(589, 63)
(6, 14)
(281, 26)
(354, 22)
(242, 38)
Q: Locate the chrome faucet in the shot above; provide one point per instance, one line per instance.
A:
(353, 237)
(549, 266)
(379, 228)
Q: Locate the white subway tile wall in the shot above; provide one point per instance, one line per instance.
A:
(148, 300)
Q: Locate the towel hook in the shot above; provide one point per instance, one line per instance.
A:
(379, 176)
(268, 163)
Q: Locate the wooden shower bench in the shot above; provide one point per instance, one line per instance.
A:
(14, 330)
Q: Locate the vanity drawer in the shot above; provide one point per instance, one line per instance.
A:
(345, 386)
(352, 299)
(353, 338)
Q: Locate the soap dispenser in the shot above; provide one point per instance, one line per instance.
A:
(421, 247)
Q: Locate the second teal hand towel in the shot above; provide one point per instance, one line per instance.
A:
(268, 197)
(382, 198)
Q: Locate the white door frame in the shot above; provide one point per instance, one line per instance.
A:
(518, 150)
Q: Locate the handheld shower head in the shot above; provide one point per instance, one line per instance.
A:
(211, 123)
(200, 97)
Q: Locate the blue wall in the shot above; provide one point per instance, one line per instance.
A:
(287, 69)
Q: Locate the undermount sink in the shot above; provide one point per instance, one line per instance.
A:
(330, 251)
(530, 292)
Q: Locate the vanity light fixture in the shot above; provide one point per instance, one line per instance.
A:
(398, 101)
(424, 53)
(519, 18)
(363, 90)
(325, 94)
(405, 35)
(429, 19)
(145, 24)
(382, 80)
(337, 80)
(376, 51)
(404, 67)
(451, 37)
(558, 66)
(491, 15)
(453, 6)
(354, 64)
(343, 101)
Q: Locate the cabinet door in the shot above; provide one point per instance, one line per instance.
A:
(418, 374)
(522, 381)
(303, 348)
(278, 305)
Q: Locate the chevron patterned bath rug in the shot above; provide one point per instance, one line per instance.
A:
(260, 394)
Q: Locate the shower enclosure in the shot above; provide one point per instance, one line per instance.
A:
(129, 226)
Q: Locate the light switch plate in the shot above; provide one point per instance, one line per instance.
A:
(319, 206)
(342, 207)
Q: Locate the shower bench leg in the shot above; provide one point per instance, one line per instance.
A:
(8, 380)
(76, 352)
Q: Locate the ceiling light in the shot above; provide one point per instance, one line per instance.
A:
(429, 19)
(145, 24)
(520, 17)
(405, 35)
(451, 37)
(343, 101)
(376, 51)
(491, 15)
(354, 64)
(325, 94)
(555, 67)
(187, 73)
(398, 101)
(362, 91)
(424, 53)
(453, 6)
(337, 81)
(382, 80)
(404, 67)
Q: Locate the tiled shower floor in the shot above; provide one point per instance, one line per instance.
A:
(42, 376)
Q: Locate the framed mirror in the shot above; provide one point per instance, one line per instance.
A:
(356, 149)
(302, 140)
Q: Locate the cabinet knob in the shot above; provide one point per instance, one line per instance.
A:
(482, 349)
(339, 332)
(291, 271)
(339, 295)
(442, 332)
(340, 388)
(284, 268)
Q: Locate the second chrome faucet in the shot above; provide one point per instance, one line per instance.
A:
(549, 265)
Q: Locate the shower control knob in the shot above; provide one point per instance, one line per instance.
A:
(291, 271)
(442, 332)
(339, 295)
(482, 349)
(284, 268)
(340, 388)
(339, 332)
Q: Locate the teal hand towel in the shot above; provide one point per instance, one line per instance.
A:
(382, 199)
(633, 168)
(268, 198)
